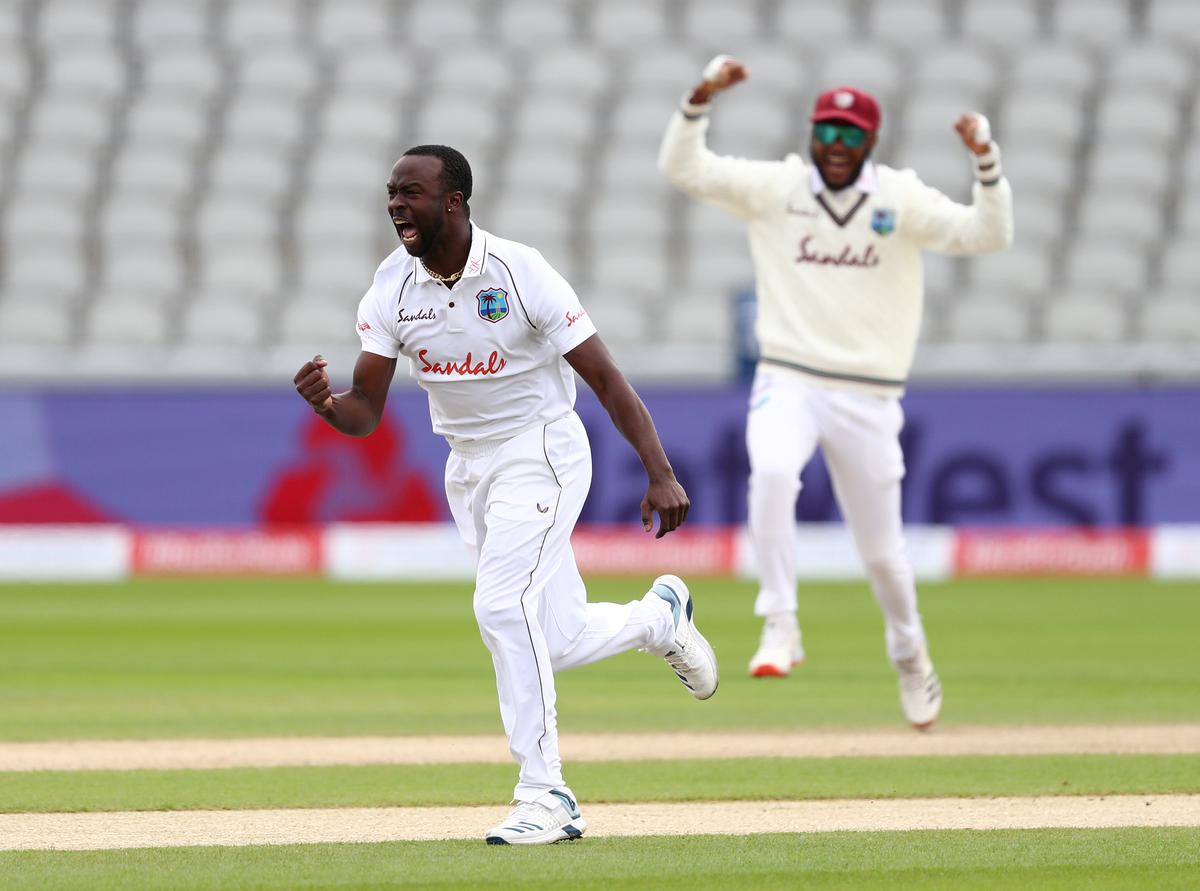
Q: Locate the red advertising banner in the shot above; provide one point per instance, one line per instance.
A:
(620, 550)
(252, 551)
(980, 552)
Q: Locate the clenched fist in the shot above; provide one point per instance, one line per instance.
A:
(720, 74)
(975, 132)
(312, 382)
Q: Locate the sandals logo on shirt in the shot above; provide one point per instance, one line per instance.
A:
(883, 221)
(493, 304)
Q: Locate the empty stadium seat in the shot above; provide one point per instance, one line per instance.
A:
(1174, 20)
(1181, 266)
(988, 318)
(221, 323)
(1011, 24)
(76, 22)
(169, 175)
(1084, 321)
(251, 171)
(337, 267)
(268, 120)
(98, 70)
(708, 21)
(955, 69)
(163, 117)
(155, 267)
(252, 24)
(376, 71)
(1037, 216)
(156, 24)
(318, 320)
(35, 323)
(15, 73)
(1152, 66)
(704, 320)
(907, 23)
(1055, 68)
(533, 25)
(1032, 166)
(135, 218)
(556, 123)
(76, 120)
(235, 216)
(56, 167)
(351, 23)
(719, 266)
(1091, 23)
(757, 127)
(54, 271)
(1110, 264)
(251, 270)
(813, 23)
(620, 24)
(574, 71)
(1135, 218)
(127, 323)
(185, 69)
(1051, 119)
(1138, 116)
(275, 70)
(1023, 271)
(435, 22)
(872, 68)
(1125, 168)
(1171, 317)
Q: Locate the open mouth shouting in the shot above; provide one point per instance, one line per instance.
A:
(408, 231)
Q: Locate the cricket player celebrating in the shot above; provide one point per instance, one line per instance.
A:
(492, 334)
(836, 247)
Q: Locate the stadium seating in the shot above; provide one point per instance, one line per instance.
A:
(178, 175)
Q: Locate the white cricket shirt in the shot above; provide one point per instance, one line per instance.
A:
(838, 274)
(489, 350)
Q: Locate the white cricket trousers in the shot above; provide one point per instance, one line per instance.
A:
(516, 502)
(859, 436)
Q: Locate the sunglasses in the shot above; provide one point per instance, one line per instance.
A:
(851, 136)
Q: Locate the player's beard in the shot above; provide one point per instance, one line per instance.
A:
(426, 238)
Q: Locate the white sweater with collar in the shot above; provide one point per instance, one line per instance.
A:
(838, 275)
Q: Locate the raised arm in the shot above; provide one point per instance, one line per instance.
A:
(357, 411)
(942, 225)
(736, 184)
(592, 360)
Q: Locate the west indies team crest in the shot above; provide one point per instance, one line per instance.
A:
(493, 304)
(883, 221)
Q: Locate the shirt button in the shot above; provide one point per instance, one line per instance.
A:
(451, 302)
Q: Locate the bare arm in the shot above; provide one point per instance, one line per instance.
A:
(357, 411)
(592, 360)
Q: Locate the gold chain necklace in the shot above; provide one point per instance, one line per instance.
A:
(443, 279)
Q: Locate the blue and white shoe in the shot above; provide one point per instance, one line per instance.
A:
(690, 654)
(552, 817)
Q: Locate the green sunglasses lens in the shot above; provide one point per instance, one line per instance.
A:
(852, 137)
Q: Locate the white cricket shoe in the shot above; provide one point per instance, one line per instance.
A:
(779, 649)
(689, 654)
(552, 817)
(920, 690)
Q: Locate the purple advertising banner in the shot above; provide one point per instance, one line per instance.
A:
(975, 456)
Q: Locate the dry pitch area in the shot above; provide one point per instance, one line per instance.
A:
(66, 831)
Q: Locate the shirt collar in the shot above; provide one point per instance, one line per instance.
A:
(476, 259)
(865, 183)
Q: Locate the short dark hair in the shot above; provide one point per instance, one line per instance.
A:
(456, 171)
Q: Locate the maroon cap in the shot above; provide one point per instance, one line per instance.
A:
(847, 104)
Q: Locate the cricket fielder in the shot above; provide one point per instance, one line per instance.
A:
(836, 246)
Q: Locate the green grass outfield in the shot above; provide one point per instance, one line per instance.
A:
(163, 658)
(1116, 859)
(188, 658)
(615, 781)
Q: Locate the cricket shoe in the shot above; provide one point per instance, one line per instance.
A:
(779, 648)
(552, 817)
(920, 690)
(689, 654)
